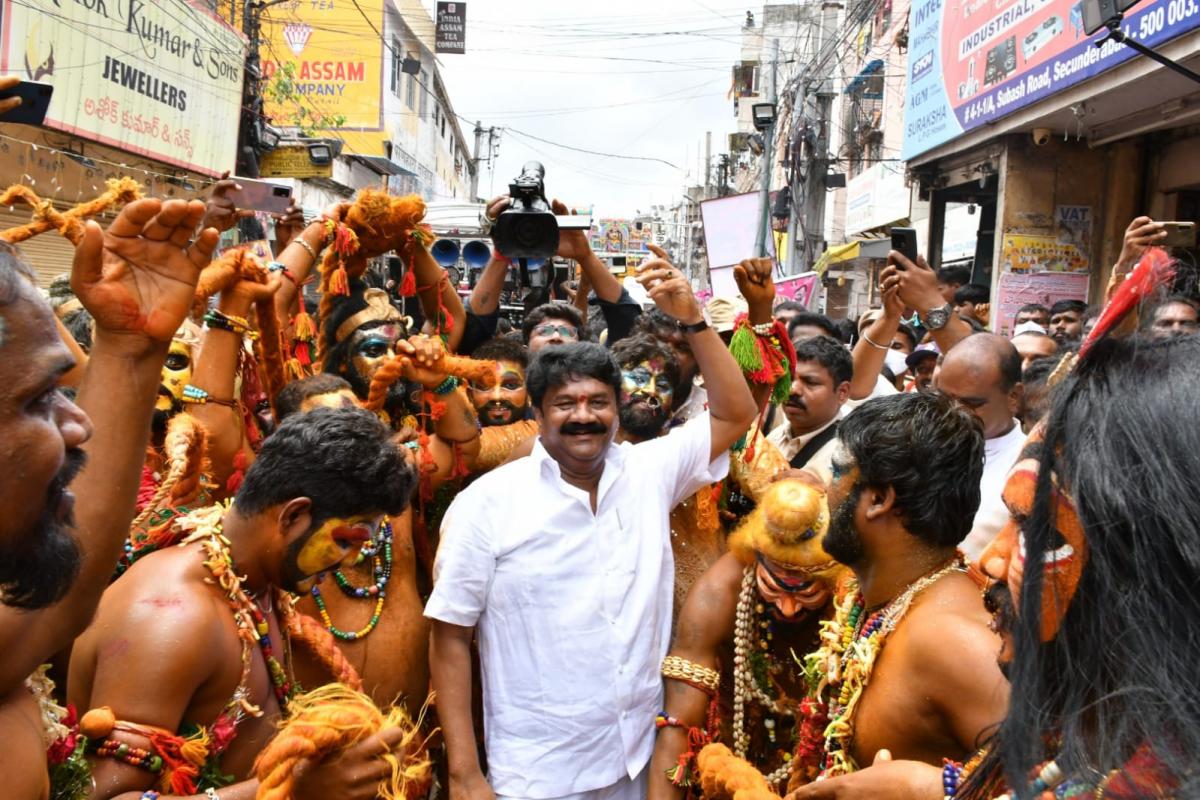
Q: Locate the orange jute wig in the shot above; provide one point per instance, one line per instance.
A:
(724, 776)
(239, 264)
(482, 373)
(184, 465)
(376, 223)
(329, 720)
(70, 222)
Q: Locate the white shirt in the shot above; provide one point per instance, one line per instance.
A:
(573, 609)
(790, 445)
(999, 456)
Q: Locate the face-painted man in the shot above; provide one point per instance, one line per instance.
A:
(360, 336)
(507, 401)
(649, 376)
(176, 374)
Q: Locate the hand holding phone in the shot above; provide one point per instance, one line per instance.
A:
(904, 242)
(24, 102)
(258, 195)
(1179, 234)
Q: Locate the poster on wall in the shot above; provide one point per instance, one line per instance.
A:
(621, 236)
(730, 224)
(1073, 225)
(1022, 253)
(162, 79)
(797, 288)
(971, 62)
(1017, 289)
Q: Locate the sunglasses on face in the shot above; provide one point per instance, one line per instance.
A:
(565, 331)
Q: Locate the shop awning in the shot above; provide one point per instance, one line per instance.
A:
(859, 248)
(862, 81)
(384, 166)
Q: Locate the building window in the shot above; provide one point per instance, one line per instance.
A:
(396, 64)
(424, 91)
(410, 91)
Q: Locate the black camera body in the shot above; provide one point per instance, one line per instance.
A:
(528, 227)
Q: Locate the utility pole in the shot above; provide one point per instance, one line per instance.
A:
(768, 157)
(475, 161)
(707, 163)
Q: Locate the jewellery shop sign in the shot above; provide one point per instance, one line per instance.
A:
(159, 78)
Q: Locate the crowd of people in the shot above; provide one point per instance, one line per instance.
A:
(269, 535)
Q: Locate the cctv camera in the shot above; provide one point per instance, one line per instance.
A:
(1041, 136)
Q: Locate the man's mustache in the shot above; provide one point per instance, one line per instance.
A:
(74, 462)
(999, 601)
(796, 402)
(575, 428)
(648, 399)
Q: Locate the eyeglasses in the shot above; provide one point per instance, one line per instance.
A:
(565, 331)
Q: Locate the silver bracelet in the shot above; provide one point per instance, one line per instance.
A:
(300, 241)
(874, 343)
(211, 794)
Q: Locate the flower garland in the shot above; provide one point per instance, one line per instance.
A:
(850, 646)
(752, 668)
(380, 551)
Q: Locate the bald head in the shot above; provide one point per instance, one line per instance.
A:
(983, 372)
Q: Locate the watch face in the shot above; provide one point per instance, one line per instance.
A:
(937, 318)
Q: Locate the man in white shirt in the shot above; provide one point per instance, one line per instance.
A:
(561, 561)
(820, 385)
(983, 373)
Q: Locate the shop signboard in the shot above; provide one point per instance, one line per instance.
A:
(972, 62)
(337, 62)
(876, 197)
(451, 28)
(162, 80)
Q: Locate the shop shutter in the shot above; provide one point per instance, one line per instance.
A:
(49, 254)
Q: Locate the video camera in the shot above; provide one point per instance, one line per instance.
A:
(528, 228)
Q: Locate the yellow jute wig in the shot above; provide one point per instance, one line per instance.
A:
(329, 720)
(787, 527)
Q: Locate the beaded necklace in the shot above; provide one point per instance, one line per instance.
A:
(850, 647)
(380, 552)
(252, 624)
(752, 670)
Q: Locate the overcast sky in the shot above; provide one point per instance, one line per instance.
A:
(632, 77)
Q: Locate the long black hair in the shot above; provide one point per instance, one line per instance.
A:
(1121, 673)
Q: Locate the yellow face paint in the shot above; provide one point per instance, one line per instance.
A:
(333, 542)
(176, 373)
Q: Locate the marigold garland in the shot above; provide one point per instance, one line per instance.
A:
(724, 776)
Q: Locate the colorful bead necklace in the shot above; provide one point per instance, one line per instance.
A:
(850, 647)
(380, 551)
(753, 666)
(205, 527)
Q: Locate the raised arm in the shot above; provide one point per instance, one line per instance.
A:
(574, 245)
(873, 345)
(754, 280)
(137, 280)
(730, 405)
(438, 295)
(917, 284)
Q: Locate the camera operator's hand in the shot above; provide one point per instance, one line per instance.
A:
(496, 206)
(9, 103)
(668, 288)
(571, 244)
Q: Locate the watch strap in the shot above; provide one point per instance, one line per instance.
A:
(695, 327)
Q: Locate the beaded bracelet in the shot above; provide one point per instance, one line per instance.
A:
(663, 720)
(763, 328)
(149, 794)
(133, 756)
(198, 396)
(446, 387)
(280, 267)
(951, 772)
(705, 679)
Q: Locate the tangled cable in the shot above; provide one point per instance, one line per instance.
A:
(330, 720)
(724, 776)
(70, 222)
(479, 372)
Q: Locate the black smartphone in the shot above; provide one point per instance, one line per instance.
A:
(35, 102)
(904, 242)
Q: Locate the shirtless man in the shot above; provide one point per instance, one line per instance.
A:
(165, 651)
(774, 588)
(137, 280)
(904, 491)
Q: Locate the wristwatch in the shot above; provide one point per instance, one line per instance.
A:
(936, 318)
(695, 327)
